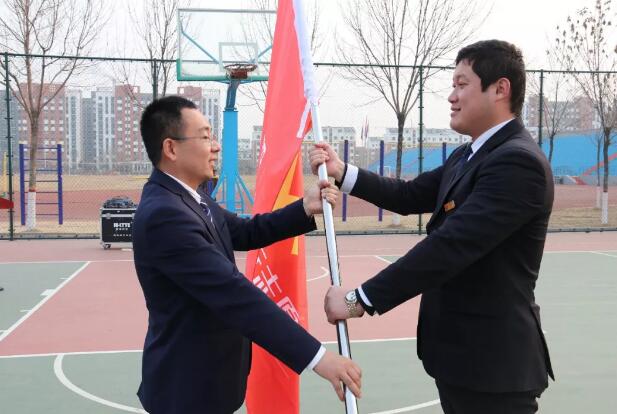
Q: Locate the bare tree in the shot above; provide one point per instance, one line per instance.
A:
(597, 139)
(58, 28)
(263, 30)
(556, 104)
(390, 33)
(589, 44)
(155, 23)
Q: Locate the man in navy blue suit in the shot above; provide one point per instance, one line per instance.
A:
(479, 333)
(203, 313)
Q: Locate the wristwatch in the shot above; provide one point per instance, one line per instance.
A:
(353, 308)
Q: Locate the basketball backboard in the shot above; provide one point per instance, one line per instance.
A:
(210, 39)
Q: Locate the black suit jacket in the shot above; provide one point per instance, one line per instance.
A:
(479, 325)
(203, 313)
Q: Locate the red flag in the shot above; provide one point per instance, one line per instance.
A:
(279, 270)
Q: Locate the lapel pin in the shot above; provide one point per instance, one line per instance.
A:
(449, 206)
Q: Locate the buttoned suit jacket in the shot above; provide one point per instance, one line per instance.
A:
(479, 326)
(203, 313)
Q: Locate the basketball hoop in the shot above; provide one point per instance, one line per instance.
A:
(240, 70)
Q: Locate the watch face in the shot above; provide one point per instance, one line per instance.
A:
(351, 296)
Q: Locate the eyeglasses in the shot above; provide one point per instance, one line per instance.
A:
(207, 139)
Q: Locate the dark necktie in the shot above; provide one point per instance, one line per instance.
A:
(463, 160)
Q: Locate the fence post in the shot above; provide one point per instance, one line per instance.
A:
(381, 157)
(9, 147)
(541, 106)
(346, 160)
(444, 149)
(421, 134)
(60, 199)
(22, 184)
(155, 80)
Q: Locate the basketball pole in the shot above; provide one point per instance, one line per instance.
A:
(230, 179)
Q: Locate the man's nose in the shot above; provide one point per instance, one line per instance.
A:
(452, 96)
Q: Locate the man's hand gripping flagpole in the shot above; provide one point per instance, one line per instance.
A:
(351, 405)
(311, 94)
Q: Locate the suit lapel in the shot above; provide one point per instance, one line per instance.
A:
(493, 142)
(214, 210)
(170, 184)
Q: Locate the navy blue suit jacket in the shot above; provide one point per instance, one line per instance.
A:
(203, 313)
(479, 325)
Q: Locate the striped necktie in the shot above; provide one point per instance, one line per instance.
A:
(206, 210)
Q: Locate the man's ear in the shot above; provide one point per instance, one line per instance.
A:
(168, 151)
(503, 88)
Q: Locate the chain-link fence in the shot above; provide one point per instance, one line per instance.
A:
(90, 149)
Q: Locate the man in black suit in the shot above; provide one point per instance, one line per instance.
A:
(203, 313)
(479, 331)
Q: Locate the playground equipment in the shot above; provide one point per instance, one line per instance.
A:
(5, 202)
(46, 166)
(4, 181)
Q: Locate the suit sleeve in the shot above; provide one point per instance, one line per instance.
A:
(403, 197)
(265, 229)
(203, 272)
(508, 192)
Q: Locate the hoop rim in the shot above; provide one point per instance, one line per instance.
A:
(239, 70)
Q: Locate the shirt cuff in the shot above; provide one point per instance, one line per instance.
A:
(320, 353)
(363, 296)
(351, 176)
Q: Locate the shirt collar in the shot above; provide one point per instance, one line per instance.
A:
(477, 144)
(192, 192)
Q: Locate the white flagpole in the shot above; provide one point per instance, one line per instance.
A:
(351, 404)
(312, 96)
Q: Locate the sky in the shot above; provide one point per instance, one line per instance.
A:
(530, 24)
(527, 23)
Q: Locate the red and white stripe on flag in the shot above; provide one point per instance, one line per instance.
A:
(280, 269)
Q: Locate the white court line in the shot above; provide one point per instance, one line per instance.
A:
(410, 408)
(384, 260)
(351, 256)
(68, 384)
(131, 260)
(70, 353)
(324, 274)
(576, 251)
(365, 341)
(358, 341)
(67, 261)
(47, 292)
(59, 372)
(605, 254)
(44, 262)
(41, 303)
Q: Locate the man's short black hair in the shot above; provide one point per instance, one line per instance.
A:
(162, 119)
(495, 59)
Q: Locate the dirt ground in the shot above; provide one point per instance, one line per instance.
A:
(83, 196)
